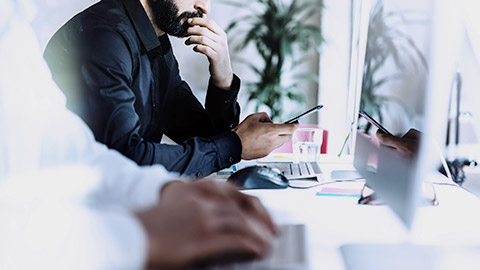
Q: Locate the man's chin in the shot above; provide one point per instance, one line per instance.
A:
(183, 32)
(177, 35)
(180, 33)
(178, 30)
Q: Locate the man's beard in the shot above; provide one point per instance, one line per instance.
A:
(165, 17)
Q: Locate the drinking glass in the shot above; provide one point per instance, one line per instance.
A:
(307, 143)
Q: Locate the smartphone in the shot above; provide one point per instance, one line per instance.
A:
(295, 119)
(373, 122)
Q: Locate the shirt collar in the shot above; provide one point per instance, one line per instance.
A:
(145, 30)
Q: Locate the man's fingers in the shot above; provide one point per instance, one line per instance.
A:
(202, 40)
(217, 190)
(283, 138)
(285, 129)
(237, 214)
(209, 52)
(202, 32)
(235, 221)
(413, 133)
(207, 23)
(388, 140)
(229, 244)
(262, 117)
(253, 205)
(407, 145)
(391, 141)
(280, 139)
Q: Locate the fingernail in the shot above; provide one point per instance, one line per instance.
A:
(190, 20)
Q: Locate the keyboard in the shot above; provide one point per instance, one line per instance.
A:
(299, 170)
(289, 252)
(289, 169)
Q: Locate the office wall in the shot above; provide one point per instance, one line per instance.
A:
(194, 67)
(334, 72)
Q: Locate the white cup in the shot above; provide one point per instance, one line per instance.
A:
(307, 143)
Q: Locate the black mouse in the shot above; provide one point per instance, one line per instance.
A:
(258, 177)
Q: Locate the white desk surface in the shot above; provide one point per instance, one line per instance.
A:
(334, 221)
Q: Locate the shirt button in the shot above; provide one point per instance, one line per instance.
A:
(227, 101)
(198, 174)
(230, 159)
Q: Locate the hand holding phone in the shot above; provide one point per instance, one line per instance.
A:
(295, 119)
(373, 122)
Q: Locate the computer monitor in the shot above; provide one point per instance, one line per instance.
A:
(396, 177)
(360, 22)
(450, 23)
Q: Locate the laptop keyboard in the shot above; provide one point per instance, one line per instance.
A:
(297, 170)
(289, 252)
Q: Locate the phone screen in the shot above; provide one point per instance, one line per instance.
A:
(295, 119)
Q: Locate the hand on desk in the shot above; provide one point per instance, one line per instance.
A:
(407, 144)
(204, 220)
(260, 136)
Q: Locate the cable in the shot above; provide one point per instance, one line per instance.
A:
(444, 161)
(446, 184)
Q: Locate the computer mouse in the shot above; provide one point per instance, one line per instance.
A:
(258, 177)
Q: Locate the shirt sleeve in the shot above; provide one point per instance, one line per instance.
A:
(46, 222)
(123, 182)
(222, 104)
(38, 132)
(186, 117)
(49, 231)
(200, 156)
(106, 68)
(205, 141)
(204, 133)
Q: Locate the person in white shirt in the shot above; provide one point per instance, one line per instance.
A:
(67, 202)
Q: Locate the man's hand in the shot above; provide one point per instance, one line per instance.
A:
(211, 41)
(203, 220)
(260, 136)
(408, 144)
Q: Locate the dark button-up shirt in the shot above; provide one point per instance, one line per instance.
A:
(124, 82)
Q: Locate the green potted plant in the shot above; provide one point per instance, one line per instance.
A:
(385, 41)
(277, 30)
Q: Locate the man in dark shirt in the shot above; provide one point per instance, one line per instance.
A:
(115, 64)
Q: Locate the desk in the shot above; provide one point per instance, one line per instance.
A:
(334, 221)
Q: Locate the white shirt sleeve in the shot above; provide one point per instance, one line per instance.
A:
(40, 132)
(96, 230)
(58, 230)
